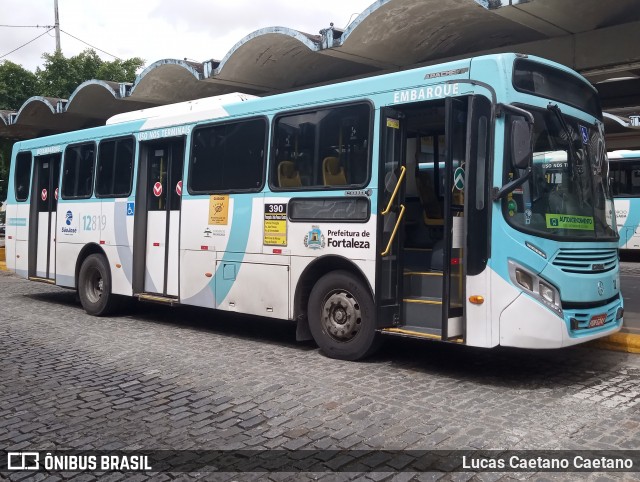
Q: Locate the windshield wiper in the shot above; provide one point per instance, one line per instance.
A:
(573, 157)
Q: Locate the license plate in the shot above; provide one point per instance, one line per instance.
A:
(597, 320)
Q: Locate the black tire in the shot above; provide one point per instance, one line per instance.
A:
(342, 317)
(94, 286)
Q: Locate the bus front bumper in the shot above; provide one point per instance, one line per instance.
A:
(526, 323)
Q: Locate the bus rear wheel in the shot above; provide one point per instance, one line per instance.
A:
(342, 317)
(94, 286)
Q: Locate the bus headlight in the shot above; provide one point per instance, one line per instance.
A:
(536, 286)
(547, 292)
(524, 279)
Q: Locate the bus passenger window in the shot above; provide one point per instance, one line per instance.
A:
(23, 176)
(114, 172)
(326, 148)
(77, 176)
(228, 157)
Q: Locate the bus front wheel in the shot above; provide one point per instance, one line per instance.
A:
(94, 286)
(342, 317)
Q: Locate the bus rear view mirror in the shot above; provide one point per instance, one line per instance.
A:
(521, 154)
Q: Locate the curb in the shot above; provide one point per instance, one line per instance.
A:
(626, 342)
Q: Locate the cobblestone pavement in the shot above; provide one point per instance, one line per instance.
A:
(184, 378)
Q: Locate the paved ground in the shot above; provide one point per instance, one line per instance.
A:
(193, 379)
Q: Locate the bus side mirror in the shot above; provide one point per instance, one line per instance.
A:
(521, 153)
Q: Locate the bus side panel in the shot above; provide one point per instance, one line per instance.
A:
(259, 285)
(22, 258)
(199, 242)
(196, 281)
(10, 237)
(67, 256)
(120, 276)
(78, 224)
(116, 231)
(22, 239)
(627, 220)
(478, 317)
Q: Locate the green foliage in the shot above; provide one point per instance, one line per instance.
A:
(16, 85)
(60, 76)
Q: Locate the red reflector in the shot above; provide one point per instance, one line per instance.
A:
(455, 260)
(10, 237)
(277, 251)
(204, 248)
(101, 242)
(156, 244)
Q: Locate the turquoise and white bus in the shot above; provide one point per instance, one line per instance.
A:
(624, 169)
(406, 204)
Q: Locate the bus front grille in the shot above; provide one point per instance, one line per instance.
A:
(586, 260)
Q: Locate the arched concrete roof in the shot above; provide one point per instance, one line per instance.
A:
(278, 58)
(597, 38)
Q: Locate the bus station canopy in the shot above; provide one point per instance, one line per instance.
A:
(598, 38)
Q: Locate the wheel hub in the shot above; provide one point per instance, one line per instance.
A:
(341, 316)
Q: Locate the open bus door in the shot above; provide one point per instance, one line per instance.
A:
(43, 216)
(391, 209)
(421, 272)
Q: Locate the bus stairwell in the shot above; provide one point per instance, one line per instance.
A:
(430, 258)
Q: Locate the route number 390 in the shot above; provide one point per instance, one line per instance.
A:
(275, 208)
(93, 223)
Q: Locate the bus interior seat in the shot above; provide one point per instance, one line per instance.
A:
(288, 175)
(333, 172)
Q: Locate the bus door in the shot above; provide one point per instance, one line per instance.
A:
(423, 231)
(160, 183)
(453, 276)
(43, 218)
(392, 175)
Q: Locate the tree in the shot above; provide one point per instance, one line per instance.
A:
(61, 75)
(16, 85)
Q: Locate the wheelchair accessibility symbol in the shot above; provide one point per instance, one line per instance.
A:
(130, 209)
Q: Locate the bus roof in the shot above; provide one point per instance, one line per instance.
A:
(188, 111)
(623, 154)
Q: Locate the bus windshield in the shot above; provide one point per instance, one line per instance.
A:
(567, 196)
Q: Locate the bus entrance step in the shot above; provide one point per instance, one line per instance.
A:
(165, 300)
(422, 283)
(42, 280)
(415, 332)
(423, 311)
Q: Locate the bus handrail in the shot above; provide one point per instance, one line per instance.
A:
(403, 171)
(393, 233)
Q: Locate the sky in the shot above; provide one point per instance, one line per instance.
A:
(158, 29)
